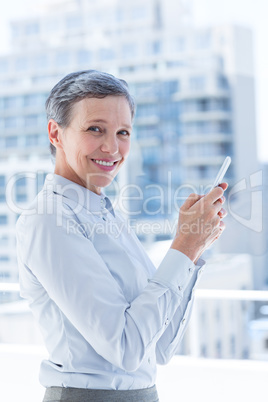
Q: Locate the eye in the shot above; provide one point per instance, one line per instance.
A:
(95, 129)
(124, 133)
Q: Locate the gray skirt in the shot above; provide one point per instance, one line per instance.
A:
(56, 394)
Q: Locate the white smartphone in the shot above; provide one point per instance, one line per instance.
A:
(222, 171)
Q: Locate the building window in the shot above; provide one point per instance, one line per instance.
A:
(40, 179)
(147, 110)
(147, 89)
(62, 59)
(2, 188)
(203, 351)
(73, 22)
(144, 132)
(222, 82)
(178, 45)
(203, 40)
(170, 87)
(3, 220)
(120, 15)
(33, 100)
(154, 47)
(197, 83)
(151, 155)
(40, 62)
(22, 64)
(21, 189)
(11, 142)
(32, 140)
(129, 51)
(15, 31)
(31, 120)
(3, 240)
(10, 122)
(106, 54)
(32, 28)
(3, 66)
(84, 57)
(233, 345)
(11, 102)
(139, 13)
(218, 348)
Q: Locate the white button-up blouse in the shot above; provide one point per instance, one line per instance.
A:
(106, 314)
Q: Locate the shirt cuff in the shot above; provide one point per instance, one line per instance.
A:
(176, 271)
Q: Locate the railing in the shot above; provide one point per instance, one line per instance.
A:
(9, 287)
(184, 378)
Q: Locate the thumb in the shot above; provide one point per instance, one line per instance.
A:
(191, 200)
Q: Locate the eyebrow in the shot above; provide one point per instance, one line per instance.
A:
(105, 121)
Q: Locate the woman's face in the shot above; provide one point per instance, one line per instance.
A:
(92, 149)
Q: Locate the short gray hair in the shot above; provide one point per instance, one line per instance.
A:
(80, 85)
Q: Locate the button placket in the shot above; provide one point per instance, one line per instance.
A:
(103, 212)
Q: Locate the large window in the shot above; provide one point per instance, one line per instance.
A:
(4, 65)
(33, 100)
(84, 56)
(129, 51)
(21, 189)
(11, 102)
(106, 54)
(73, 22)
(32, 28)
(2, 188)
(62, 58)
(197, 83)
(147, 110)
(3, 220)
(31, 120)
(21, 64)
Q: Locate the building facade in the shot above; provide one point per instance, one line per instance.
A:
(194, 89)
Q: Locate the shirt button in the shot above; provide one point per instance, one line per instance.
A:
(180, 287)
(183, 321)
(167, 321)
(149, 360)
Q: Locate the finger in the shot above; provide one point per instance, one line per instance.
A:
(218, 231)
(222, 226)
(222, 213)
(191, 200)
(214, 195)
(224, 186)
(217, 206)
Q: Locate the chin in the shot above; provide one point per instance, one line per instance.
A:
(102, 183)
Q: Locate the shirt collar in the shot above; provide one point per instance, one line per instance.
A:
(80, 195)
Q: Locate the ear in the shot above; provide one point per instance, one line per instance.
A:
(54, 133)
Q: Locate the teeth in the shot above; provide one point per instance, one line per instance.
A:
(103, 163)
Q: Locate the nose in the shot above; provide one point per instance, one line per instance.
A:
(110, 144)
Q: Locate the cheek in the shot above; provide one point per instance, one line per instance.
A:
(125, 148)
(86, 146)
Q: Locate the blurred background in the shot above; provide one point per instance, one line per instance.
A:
(198, 70)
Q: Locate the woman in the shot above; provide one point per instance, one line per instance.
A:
(106, 315)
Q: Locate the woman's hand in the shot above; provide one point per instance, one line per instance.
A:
(200, 222)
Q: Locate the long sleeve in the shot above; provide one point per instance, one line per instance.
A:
(169, 342)
(105, 312)
(78, 281)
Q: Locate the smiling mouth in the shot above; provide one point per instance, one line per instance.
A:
(104, 163)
